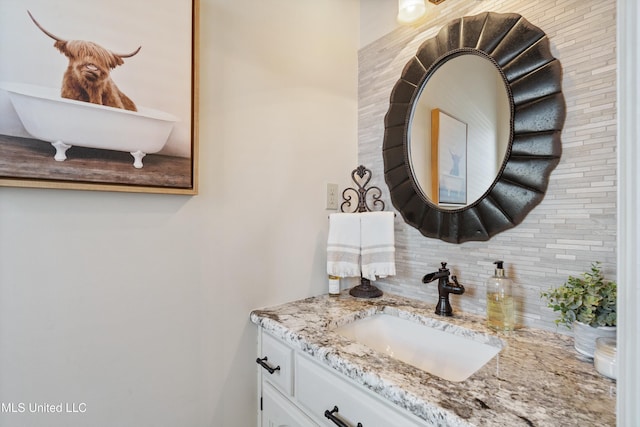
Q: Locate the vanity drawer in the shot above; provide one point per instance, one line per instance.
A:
(278, 410)
(276, 362)
(319, 389)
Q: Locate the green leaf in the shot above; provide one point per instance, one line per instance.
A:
(588, 298)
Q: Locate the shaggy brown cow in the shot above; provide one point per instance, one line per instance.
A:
(87, 77)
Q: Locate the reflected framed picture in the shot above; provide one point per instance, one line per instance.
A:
(449, 159)
(99, 95)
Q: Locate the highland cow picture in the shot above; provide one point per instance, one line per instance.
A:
(100, 104)
(87, 77)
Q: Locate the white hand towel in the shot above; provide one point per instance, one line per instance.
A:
(377, 244)
(343, 245)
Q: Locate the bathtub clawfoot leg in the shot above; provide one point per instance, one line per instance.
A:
(61, 150)
(138, 156)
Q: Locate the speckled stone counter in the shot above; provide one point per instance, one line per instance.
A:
(536, 380)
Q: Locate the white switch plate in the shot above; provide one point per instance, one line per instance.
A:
(332, 196)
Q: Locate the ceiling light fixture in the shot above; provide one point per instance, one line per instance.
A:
(411, 10)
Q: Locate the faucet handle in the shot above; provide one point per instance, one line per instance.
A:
(459, 289)
(444, 265)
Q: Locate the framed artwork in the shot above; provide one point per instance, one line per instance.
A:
(448, 158)
(99, 95)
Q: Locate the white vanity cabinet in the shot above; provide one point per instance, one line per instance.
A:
(297, 391)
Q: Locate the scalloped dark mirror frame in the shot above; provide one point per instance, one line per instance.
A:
(533, 78)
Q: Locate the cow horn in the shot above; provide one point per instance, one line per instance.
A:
(129, 55)
(58, 39)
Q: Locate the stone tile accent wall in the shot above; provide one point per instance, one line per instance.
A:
(576, 222)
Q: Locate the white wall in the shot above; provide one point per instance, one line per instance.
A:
(138, 305)
(377, 18)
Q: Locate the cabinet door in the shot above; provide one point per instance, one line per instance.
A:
(277, 411)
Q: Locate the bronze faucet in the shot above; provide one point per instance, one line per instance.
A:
(444, 289)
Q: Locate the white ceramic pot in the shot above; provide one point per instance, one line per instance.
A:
(585, 337)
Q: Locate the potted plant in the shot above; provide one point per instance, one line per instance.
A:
(586, 304)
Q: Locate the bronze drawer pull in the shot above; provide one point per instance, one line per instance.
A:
(337, 421)
(262, 362)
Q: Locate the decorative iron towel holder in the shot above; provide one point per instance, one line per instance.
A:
(361, 177)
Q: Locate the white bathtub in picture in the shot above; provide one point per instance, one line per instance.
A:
(65, 123)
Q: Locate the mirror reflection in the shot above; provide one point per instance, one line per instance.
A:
(460, 131)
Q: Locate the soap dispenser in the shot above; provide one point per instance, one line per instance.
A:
(500, 306)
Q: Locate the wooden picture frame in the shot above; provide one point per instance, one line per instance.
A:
(73, 129)
(448, 159)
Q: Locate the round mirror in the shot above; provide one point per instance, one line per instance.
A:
(459, 131)
(515, 181)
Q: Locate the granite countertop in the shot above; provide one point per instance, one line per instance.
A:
(537, 379)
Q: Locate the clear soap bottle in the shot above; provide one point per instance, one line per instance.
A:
(500, 306)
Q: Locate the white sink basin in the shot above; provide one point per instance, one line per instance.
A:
(448, 355)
